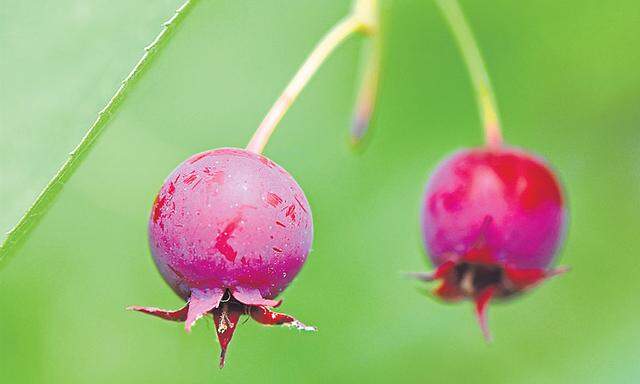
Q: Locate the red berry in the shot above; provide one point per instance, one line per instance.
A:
(229, 230)
(492, 221)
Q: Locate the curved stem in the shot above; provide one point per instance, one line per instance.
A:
(358, 20)
(368, 92)
(43, 202)
(475, 64)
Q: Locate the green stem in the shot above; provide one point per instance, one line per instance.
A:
(362, 18)
(43, 202)
(367, 94)
(479, 76)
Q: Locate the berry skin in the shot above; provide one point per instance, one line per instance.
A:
(229, 230)
(492, 221)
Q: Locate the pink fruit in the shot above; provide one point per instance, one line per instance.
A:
(229, 230)
(492, 221)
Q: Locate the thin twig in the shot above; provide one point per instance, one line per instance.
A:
(43, 202)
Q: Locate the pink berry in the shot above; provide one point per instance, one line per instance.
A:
(229, 230)
(492, 221)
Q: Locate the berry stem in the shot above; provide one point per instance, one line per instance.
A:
(477, 70)
(363, 18)
(47, 196)
(367, 94)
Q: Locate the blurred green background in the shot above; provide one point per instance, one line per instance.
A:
(567, 78)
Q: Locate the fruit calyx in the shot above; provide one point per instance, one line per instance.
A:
(226, 306)
(477, 276)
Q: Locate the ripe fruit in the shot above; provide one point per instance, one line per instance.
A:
(229, 230)
(492, 221)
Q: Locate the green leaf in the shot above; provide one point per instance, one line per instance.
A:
(45, 199)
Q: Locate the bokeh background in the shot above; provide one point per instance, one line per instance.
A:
(567, 78)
